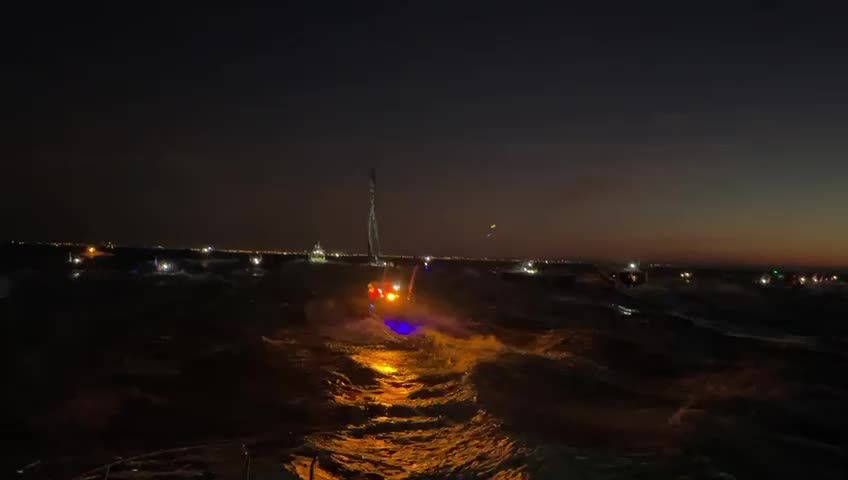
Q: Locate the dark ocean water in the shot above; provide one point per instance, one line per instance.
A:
(278, 369)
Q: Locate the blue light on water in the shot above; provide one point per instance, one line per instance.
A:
(400, 327)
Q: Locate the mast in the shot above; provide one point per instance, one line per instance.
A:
(373, 234)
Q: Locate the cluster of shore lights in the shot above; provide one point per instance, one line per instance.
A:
(766, 279)
(823, 278)
(256, 260)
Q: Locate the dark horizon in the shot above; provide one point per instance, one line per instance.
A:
(609, 261)
(708, 134)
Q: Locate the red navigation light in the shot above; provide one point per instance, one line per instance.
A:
(379, 291)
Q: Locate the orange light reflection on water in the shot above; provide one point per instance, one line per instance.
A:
(419, 417)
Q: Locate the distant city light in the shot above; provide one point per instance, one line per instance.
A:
(765, 280)
(256, 260)
(632, 265)
(91, 250)
(165, 267)
(207, 249)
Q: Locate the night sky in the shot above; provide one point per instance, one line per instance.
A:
(661, 131)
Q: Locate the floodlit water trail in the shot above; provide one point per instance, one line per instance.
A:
(412, 412)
